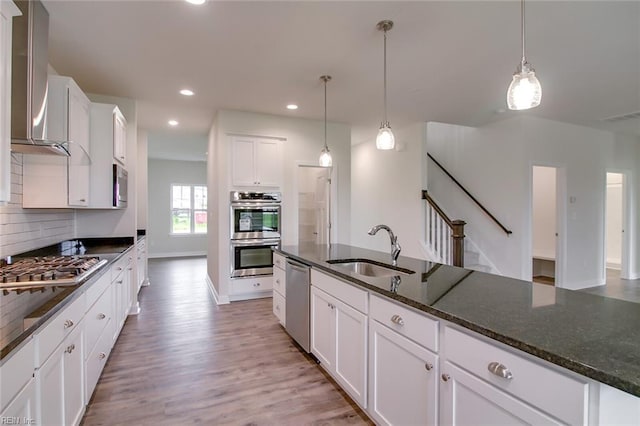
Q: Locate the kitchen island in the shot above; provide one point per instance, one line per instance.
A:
(598, 338)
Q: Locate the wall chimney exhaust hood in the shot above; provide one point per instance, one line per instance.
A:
(29, 82)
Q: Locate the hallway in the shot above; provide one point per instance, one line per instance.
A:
(184, 360)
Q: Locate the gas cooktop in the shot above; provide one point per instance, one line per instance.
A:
(47, 271)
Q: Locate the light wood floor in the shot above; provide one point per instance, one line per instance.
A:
(184, 360)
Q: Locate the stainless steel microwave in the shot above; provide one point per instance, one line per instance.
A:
(120, 183)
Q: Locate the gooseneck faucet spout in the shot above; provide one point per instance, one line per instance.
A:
(395, 247)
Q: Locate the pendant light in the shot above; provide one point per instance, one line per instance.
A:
(325, 155)
(385, 139)
(524, 91)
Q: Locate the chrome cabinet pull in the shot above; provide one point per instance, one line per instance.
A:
(101, 316)
(256, 284)
(68, 323)
(446, 377)
(428, 366)
(500, 370)
(70, 348)
(397, 319)
(102, 355)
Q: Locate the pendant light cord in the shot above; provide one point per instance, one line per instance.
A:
(325, 115)
(522, 25)
(385, 76)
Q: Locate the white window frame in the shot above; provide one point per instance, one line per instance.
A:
(192, 209)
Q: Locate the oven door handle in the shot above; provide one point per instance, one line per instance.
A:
(247, 206)
(261, 242)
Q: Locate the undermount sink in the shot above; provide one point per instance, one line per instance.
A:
(370, 268)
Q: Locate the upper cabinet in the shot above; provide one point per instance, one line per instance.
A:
(59, 182)
(7, 11)
(108, 142)
(119, 137)
(256, 162)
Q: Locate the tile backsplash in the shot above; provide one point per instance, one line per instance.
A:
(23, 230)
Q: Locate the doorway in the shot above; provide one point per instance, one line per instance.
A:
(544, 235)
(314, 205)
(614, 224)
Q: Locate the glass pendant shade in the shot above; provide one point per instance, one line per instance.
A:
(524, 91)
(325, 158)
(385, 139)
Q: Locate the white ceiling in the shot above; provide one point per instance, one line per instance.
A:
(448, 61)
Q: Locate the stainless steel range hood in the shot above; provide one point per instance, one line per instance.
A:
(29, 82)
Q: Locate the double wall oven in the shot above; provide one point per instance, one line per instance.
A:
(255, 230)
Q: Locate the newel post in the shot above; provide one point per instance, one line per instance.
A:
(457, 234)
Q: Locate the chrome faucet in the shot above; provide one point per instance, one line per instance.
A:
(395, 247)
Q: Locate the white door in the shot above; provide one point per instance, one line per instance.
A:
(351, 355)
(403, 379)
(468, 400)
(50, 379)
(79, 162)
(314, 204)
(617, 248)
(323, 328)
(23, 405)
(243, 166)
(267, 163)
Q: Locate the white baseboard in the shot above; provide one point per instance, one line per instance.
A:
(219, 300)
(251, 296)
(579, 285)
(178, 254)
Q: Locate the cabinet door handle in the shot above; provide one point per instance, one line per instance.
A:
(68, 323)
(256, 284)
(397, 319)
(500, 370)
(277, 281)
(119, 282)
(428, 366)
(83, 200)
(101, 316)
(70, 348)
(102, 355)
(446, 377)
(277, 307)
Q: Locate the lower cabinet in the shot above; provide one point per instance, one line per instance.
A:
(60, 383)
(339, 341)
(250, 288)
(23, 407)
(403, 379)
(468, 400)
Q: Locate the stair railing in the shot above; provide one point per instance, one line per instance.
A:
(507, 231)
(444, 236)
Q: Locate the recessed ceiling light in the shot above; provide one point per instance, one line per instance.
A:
(292, 106)
(186, 92)
(173, 123)
(198, 2)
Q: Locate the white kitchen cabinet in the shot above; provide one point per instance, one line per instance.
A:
(60, 182)
(60, 381)
(15, 374)
(279, 288)
(142, 262)
(7, 11)
(250, 288)
(339, 334)
(108, 130)
(23, 407)
(256, 162)
(403, 379)
(122, 279)
(492, 381)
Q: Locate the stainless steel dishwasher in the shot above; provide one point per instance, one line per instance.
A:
(297, 312)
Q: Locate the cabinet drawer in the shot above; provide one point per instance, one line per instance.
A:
(97, 359)
(279, 261)
(120, 265)
(97, 288)
(97, 319)
(533, 382)
(417, 327)
(279, 307)
(251, 285)
(58, 328)
(16, 372)
(347, 293)
(279, 281)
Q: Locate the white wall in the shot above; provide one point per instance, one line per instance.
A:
(494, 163)
(303, 143)
(117, 222)
(163, 173)
(544, 212)
(142, 180)
(386, 189)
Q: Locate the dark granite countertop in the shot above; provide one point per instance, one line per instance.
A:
(594, 336)
(110, 249)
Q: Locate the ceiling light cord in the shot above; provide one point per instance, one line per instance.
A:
(524, 60)
(325, 116)
(385, 78)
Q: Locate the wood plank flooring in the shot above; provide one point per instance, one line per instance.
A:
(184, 360)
